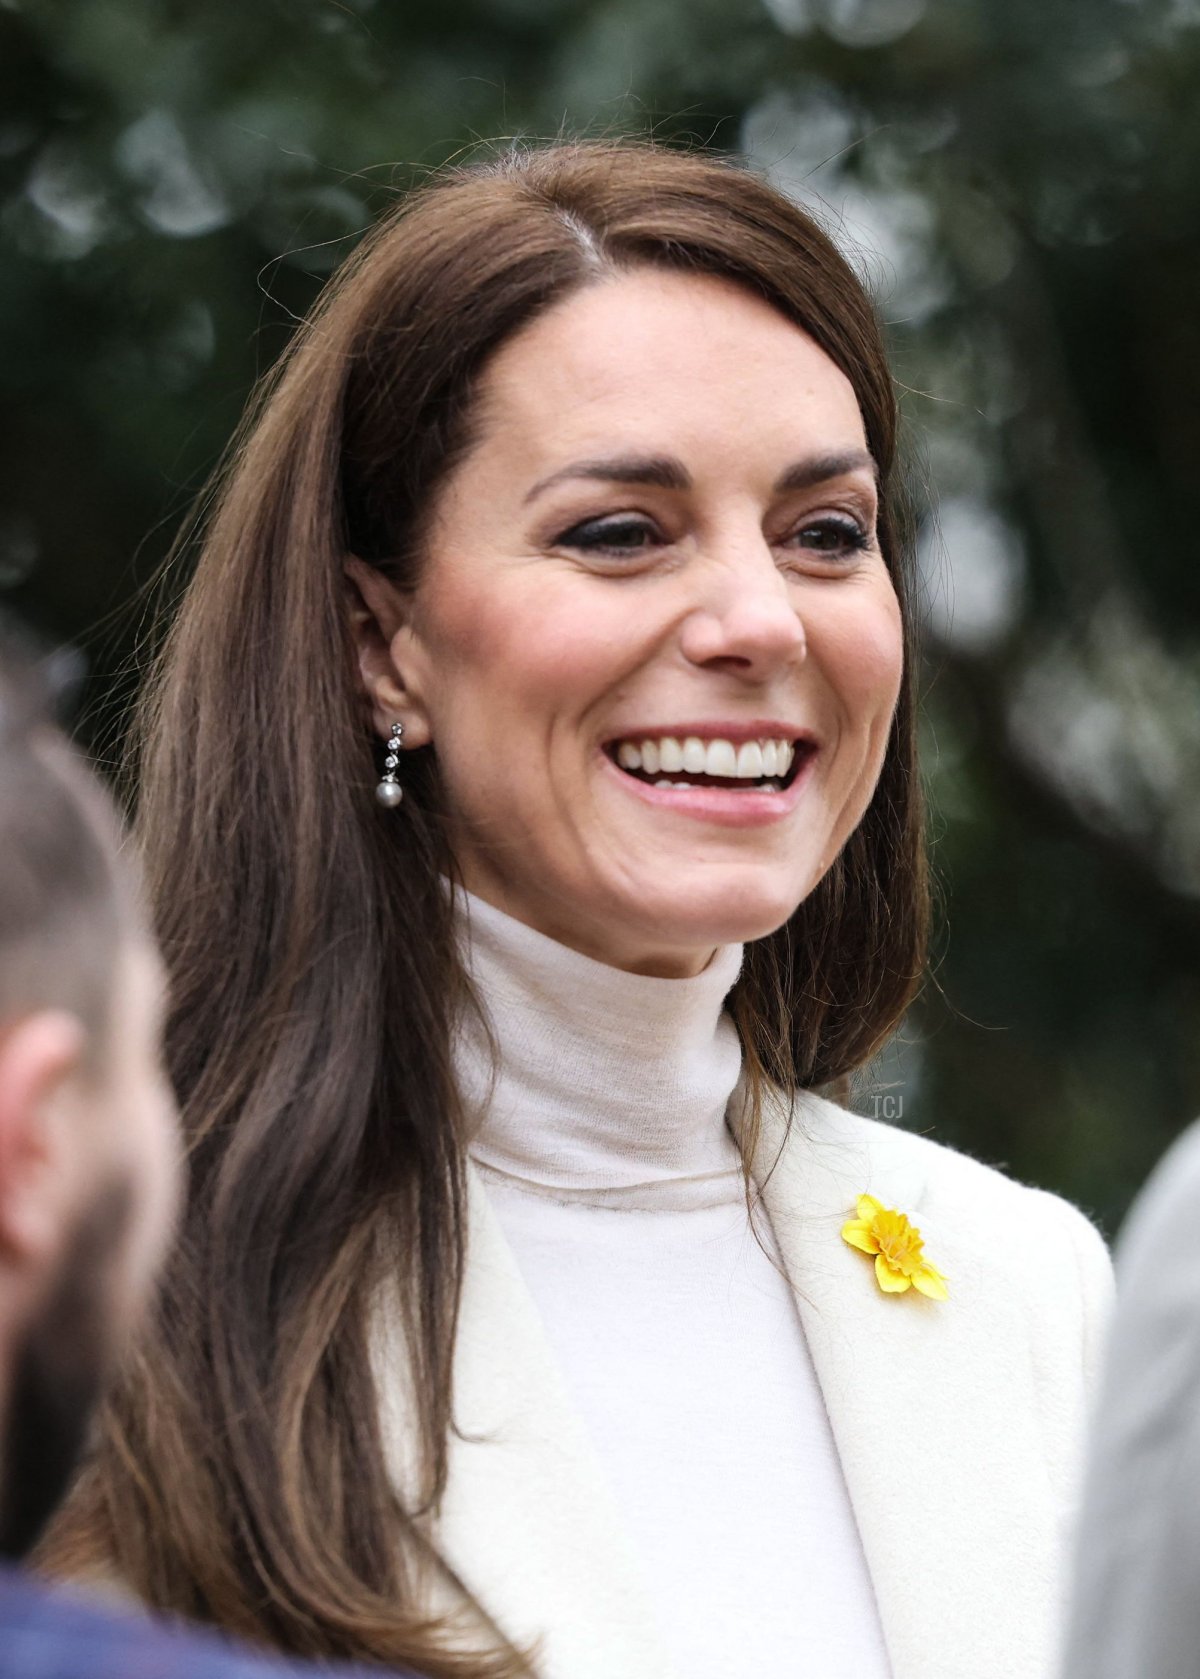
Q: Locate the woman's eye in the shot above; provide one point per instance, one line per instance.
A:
(833, 538)
(622, 535)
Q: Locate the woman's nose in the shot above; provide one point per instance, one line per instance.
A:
(748, 619)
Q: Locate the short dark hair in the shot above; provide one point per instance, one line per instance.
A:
(68, 900)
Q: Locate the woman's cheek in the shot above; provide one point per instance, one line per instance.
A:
(863, 652)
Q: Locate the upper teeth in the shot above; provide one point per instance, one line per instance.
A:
(750, 761)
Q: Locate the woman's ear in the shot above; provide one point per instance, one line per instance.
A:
(390, 665)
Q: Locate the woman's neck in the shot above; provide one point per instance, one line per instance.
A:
(604, 1080)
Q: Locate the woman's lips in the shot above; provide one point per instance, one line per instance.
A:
(728, 806)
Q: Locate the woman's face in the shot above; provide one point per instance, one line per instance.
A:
(655, 645)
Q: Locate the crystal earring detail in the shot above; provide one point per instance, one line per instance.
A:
(389, 791)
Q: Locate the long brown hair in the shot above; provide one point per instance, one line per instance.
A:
(240, 1475)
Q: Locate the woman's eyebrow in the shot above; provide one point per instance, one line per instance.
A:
(819, 469)
(665, 472)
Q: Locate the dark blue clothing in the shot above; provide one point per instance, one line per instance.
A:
(46, 1633)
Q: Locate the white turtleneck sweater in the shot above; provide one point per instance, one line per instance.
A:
(604, 1148)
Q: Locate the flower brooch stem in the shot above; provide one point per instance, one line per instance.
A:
(897, 1249)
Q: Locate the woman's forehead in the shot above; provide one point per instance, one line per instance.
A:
(653, 362)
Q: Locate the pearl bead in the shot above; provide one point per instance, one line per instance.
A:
(389, 794)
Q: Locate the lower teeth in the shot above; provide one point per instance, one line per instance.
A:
(749, 787)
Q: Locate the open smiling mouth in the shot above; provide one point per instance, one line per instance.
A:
(759, 766)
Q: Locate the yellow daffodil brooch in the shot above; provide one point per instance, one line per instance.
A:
(899, 1252)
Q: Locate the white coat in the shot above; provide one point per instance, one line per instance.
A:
(959, 1423)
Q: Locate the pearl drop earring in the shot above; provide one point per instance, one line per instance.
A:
(389, 791)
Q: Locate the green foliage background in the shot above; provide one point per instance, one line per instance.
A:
(1020, 180)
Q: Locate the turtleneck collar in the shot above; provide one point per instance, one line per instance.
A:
(607, 1086)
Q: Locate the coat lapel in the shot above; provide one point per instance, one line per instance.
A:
(529, 1522)
(931, 1403)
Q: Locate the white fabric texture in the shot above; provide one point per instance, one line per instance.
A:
(607, 1157)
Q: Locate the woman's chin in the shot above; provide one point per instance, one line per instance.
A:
(712, 915)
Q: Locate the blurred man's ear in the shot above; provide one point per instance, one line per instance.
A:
(39, 1056)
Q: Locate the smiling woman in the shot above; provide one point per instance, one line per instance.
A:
(512, 1330)
(707, 587)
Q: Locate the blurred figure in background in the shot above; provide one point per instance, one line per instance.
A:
(1136, 1608)
(89, 1177)
(88, 1145)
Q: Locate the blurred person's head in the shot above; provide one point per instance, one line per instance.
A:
(87, 1122)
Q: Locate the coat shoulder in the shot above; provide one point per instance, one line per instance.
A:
(947, 1171)
(1040, 1230)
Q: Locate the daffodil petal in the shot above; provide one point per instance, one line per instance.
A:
(868, 1206)
(858, 1234)
(891, 1282)
(929, 1280)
